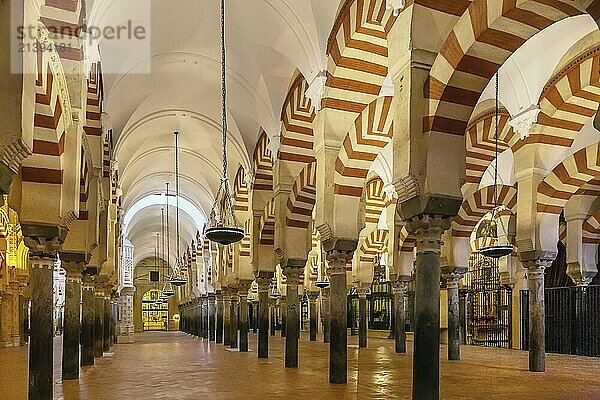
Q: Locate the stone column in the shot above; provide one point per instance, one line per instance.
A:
(273, 304)
(99, 323)
(233, 319)
(453, 275)
(243, 287)
(125, 329)
(211, 317)
(23, 318)
(107, 318)
(42, 257)
(255, 316)
(426, 360)
(400, 287)
(325, 296)
(220, 327)
(362, 317)
(537, 314)
(226, 320)
(292, 272)
(338, 309)
(72, 317)
(88, 307)
(263, 317)
(314, 323)
(283, 313)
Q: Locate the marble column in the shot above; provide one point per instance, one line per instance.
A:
(41, 343)
(263, 317)
(99, 323)
(283, 313)
(399, 288)
(243, 288)
(338, 310)
(226, 320)
(233, 321)
(325, 296)
(107, 317)
(426, 360)
(292, 273)
(314, 323)
(273, 305)
(537, 314)
(362, 317)
(220, 327)
(23, 318)
(255, 316)
(72, 317)
(453, 276)
(211, 317)
(88, 307)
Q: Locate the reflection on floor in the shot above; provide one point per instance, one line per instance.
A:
(172, 365)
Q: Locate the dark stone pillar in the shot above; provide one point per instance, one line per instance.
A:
(426, 360)
(233, 321)
(255, 317)
(453, 275)
(283, 313)
(211, 318)
(362, 318)
(22, 317)
(263, 319)
(88, 306)
(292, 272)
(338, 310)
(226, 320)
(400, 287)
(325, 296)
(41, 366)
(72, 327)
(537, 315)
(244, 321)
(107, 322)
(312, 304)
(273, 304)
(219, 328)
(99, 324)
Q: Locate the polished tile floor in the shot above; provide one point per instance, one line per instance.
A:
(175, 366)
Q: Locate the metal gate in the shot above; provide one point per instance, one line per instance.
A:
(573, 320)
(488, 304)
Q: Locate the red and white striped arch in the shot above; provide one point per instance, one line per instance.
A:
(240, 191)
(375, 199)
(372, 131)
(376, 242)
(297, 117)
(480, 203)
(591, 229)
(267, 224)
(483, 38)
(481, 142)
(567, 178)
(406, 242)
(263, 164)
(358, 55)
(302, 199)
(568, 101)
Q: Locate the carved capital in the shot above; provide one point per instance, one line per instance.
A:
(400, 287)
(43, 241)
(428, 232)
(535, 269)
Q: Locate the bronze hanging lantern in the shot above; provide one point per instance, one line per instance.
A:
(491, 230)
(223, 228)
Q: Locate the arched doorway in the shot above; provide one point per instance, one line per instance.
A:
(155, 315)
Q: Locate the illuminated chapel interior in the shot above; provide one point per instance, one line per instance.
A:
(279, 199)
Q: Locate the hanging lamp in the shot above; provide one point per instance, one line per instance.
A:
(223, 229)
(178, 278)
(167, 288)
(492, 230)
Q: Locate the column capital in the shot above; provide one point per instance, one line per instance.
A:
(536, 268)
(453, 275)
(428, 232)
(339, 254)
(312, 295)
(362, 292)
(243, 286)
(400, 287)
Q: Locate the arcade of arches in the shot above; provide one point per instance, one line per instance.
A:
(368, 141)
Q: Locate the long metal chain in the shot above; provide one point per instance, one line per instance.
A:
(224, 90)
(177, 198)
(496, 142)
(168, 230)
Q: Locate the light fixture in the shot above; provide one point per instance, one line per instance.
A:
(178, 278)
(322, 284)
(491, 229)
(224, 228)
